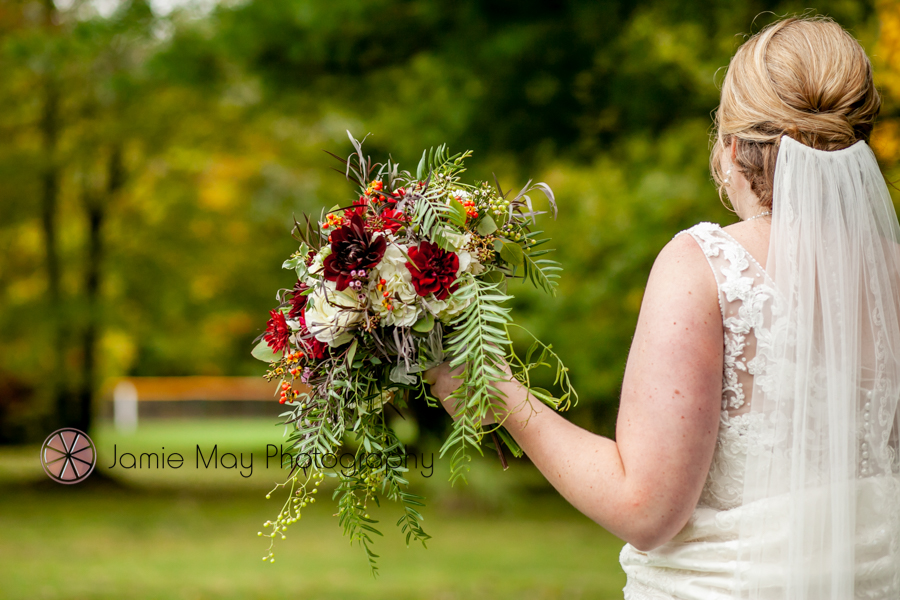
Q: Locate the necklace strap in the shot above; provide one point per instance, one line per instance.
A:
(762, 214)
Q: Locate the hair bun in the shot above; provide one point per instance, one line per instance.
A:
(822, 130)
(803, 77)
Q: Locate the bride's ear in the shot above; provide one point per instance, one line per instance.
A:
(733, 148)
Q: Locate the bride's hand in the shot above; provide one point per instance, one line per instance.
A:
(443, 383)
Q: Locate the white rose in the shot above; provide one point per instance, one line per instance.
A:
(445, 310)
(394, 259)
(398, 285)
(329, 319)
(468, 263)
(402, 315)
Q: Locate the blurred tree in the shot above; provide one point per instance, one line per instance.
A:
(152, 164)
(532, 79)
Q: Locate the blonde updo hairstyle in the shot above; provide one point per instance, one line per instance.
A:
(805, 77)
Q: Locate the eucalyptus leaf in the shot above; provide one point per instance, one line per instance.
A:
(291, 263)
(425, 324)
(512, 253)
(486, 226)
(263, 352)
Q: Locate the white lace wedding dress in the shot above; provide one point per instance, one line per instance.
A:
(700, 562)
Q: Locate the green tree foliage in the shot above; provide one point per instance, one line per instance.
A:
(151, 164)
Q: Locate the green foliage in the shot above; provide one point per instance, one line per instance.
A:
(479, 343)
(220, 119)
(349, 387)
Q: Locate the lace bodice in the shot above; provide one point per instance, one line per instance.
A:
(704, 560)
(745, 290)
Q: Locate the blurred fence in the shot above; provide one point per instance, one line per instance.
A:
(132, 399)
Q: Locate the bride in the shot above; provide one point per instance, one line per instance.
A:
(756, 451)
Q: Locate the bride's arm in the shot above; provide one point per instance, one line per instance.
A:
(644, 486)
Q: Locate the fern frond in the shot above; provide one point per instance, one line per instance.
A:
(478, 342)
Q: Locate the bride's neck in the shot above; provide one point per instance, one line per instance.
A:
(747, 205)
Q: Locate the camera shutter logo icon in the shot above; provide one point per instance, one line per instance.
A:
(68, 455)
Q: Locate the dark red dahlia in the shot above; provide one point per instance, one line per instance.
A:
(392, 220)
(277, 332)
(298, 300)
(352, 249)
(433, 270)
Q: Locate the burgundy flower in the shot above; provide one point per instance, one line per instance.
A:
(352, 248)
(298, 300)
(433, 270)
(392, 220)
(313, 347)
(277, 332)
(310, 256)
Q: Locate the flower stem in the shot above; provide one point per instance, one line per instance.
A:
(499, 450)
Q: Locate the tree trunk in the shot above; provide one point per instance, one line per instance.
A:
(96, 208)
(49, 128)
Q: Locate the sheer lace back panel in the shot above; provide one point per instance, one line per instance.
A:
(745, 292)
(702, 562)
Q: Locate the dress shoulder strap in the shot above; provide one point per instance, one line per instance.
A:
(745, 291)
(722, 253)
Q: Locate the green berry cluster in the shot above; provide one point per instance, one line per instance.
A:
(290, 512)
(511, 232)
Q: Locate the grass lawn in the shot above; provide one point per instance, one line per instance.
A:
(191, 534)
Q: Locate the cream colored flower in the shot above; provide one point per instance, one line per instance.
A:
(333, 316)
(445, 310)
(458, 241)
(400, 308)
(468, 263)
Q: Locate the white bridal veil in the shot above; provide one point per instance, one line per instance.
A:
(821, 518)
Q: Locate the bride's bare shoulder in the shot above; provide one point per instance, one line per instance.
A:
(681, 263)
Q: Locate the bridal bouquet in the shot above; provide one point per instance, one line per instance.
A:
(411, 273)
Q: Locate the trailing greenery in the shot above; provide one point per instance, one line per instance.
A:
(426, 260)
